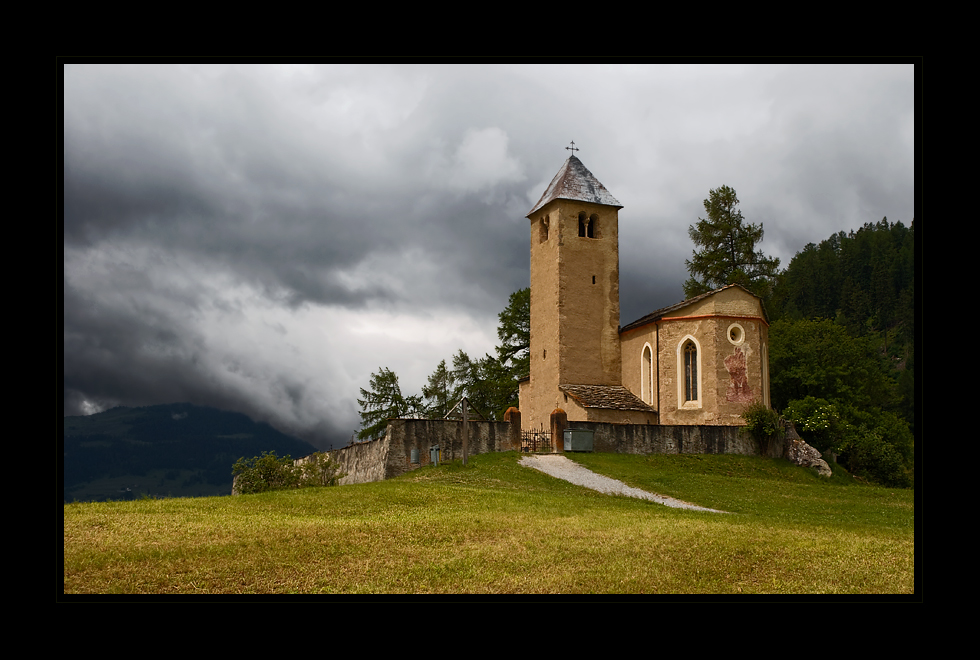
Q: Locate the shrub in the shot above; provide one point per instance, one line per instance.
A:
(262, 473)
(817, 422)
(763, 423)
(269, 472)
(318, 470)
(868, 453)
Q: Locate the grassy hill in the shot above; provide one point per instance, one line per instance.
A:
(496, 527)
(171, 450)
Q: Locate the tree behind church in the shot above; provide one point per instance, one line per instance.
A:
(727, 253)
(442, 392)
(382, 402)
(514, 333)
(491, 383)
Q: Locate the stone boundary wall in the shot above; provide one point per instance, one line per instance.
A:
(362, 462)
(391, 455)
(665, 439)
(407, 434)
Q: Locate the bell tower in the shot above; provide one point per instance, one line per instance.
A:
(574, 291)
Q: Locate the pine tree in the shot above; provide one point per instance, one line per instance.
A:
(441, 392)
(382, 402)
(514, 333)
(727, 254)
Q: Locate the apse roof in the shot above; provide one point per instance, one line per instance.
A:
(574, 181)
(662, 312)
(609, 397)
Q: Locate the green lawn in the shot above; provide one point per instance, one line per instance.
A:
(495, 527)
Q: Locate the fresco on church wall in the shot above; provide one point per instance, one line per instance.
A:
(738, 384)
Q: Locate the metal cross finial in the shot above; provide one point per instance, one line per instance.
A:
(572, 148)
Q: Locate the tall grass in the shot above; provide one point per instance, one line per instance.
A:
(495, 527)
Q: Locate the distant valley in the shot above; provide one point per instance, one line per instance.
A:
(172, 450)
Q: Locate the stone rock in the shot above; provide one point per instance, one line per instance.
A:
(800, 453)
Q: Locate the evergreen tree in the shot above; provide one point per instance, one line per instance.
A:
(514, 333)
(382, 402)
(441, 392)
(727, 253)
(491, 383)
(496, 388)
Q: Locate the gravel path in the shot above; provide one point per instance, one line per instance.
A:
(560, 467)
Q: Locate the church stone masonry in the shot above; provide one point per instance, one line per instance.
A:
(699, 362)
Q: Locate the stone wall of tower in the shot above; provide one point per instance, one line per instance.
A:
(574, 305)
(539, 394)
(589, 296)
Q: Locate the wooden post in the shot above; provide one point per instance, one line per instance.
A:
(466, 433)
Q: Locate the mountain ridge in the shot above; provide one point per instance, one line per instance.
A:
(175, 449)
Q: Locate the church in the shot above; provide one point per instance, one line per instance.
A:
(698, 362)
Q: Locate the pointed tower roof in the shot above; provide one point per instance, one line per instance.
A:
(574, 181)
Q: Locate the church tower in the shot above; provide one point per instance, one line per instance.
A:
(574, 291)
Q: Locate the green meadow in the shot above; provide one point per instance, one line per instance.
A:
(494, 527)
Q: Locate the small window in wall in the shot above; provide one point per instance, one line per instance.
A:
(690, 371)
(543, 229)
(581, 224)
(736, 334)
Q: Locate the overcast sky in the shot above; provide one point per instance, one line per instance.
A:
(261, 238)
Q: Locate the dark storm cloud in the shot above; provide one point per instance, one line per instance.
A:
(202, 162)
(262, 238)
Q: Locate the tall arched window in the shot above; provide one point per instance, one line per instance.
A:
(690, 371)
(646, 375)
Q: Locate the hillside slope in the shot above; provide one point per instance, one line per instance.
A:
(175, 449)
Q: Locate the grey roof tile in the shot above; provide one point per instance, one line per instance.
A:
(609, 397)
(574, 181)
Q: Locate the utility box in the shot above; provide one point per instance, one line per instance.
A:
(578, 440)
(434, 454)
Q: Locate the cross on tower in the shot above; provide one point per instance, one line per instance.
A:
(572, 148)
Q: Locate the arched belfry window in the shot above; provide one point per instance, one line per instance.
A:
(587, 227)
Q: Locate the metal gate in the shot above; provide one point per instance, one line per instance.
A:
(538, 441)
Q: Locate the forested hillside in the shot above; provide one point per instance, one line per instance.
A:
(842, 348)
(863, 280)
